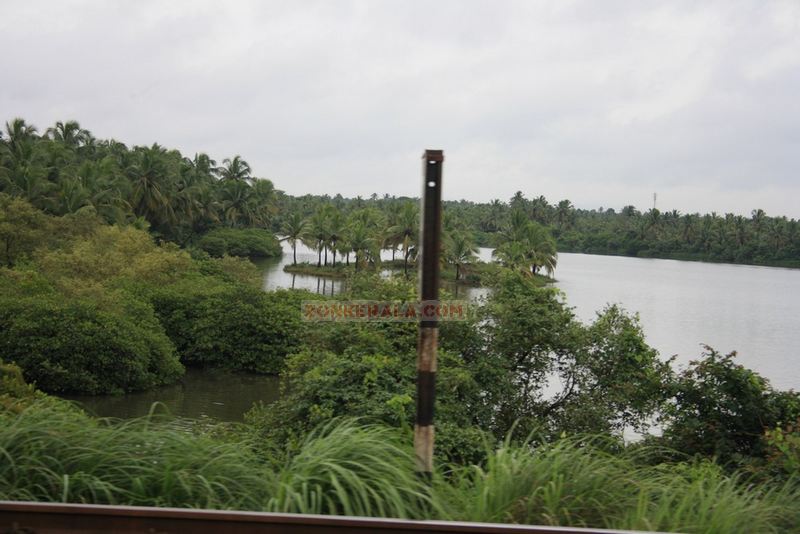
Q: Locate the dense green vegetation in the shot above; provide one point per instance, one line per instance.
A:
(66, 169)
(56, 453)
(92, 308)
(759, 239)
(247, 242)
(118, 270)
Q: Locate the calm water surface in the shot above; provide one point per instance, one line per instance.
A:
(682, 305)
(200, 393)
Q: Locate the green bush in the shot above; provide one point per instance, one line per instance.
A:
(250, 242)
(15, 393)
(217, 323)
(722, 409)
(316, 386)
(77, 346)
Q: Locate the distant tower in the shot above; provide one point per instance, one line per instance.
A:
(654, 201)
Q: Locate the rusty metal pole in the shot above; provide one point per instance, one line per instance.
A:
(430, 242)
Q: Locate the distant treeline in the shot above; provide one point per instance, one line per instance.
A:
(759, 239)
(66, 169)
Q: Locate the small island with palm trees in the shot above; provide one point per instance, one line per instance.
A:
(360, 238)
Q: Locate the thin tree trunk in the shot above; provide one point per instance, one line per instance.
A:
(294, 253)
(458, 272)
(326, 256)
(319, 257)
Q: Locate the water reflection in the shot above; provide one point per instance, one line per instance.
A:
(276, 278)
(221, 395)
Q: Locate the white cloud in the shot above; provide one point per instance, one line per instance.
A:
(602, 103)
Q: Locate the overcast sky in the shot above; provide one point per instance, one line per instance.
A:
(603, 103)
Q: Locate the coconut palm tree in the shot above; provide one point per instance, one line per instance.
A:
(69, 133)
(294, 229)
(151, 186)
(541, 249)
(235, 169)
(317, 233)
(512, 254)
(262, 201)
(336, 229)
(565, 212)
(360, 242)
(237, 205)
(527, 245)
(460, 250)
(407, 231)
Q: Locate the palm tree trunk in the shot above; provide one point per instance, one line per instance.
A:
(334, 258)
(319, 257)
(326, 256)
(458, 272)
(294, 253)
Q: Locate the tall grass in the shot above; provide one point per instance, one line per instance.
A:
(52, 452)
(574, 482)
(351, 469)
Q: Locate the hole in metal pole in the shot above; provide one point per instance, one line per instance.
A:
(432, 162)
(431, 184)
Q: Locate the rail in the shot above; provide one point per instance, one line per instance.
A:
(52, 518)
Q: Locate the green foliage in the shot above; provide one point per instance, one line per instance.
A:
(556, 373)
(317, 386)
(73, 346)
(213, 323)
(575, 482)
(109, 255)
(526, 246)
(55, 453)
(247, 242)
(783, 450)
(343, 468)
(67, 170)
(15, 393)
(23, 228)
(79, 318)
(722, 409)
(328, 271)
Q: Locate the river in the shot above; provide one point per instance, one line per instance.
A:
(682, 305)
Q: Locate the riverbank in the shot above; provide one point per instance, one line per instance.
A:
(684, 256)
(326, 271)
(476, 274)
